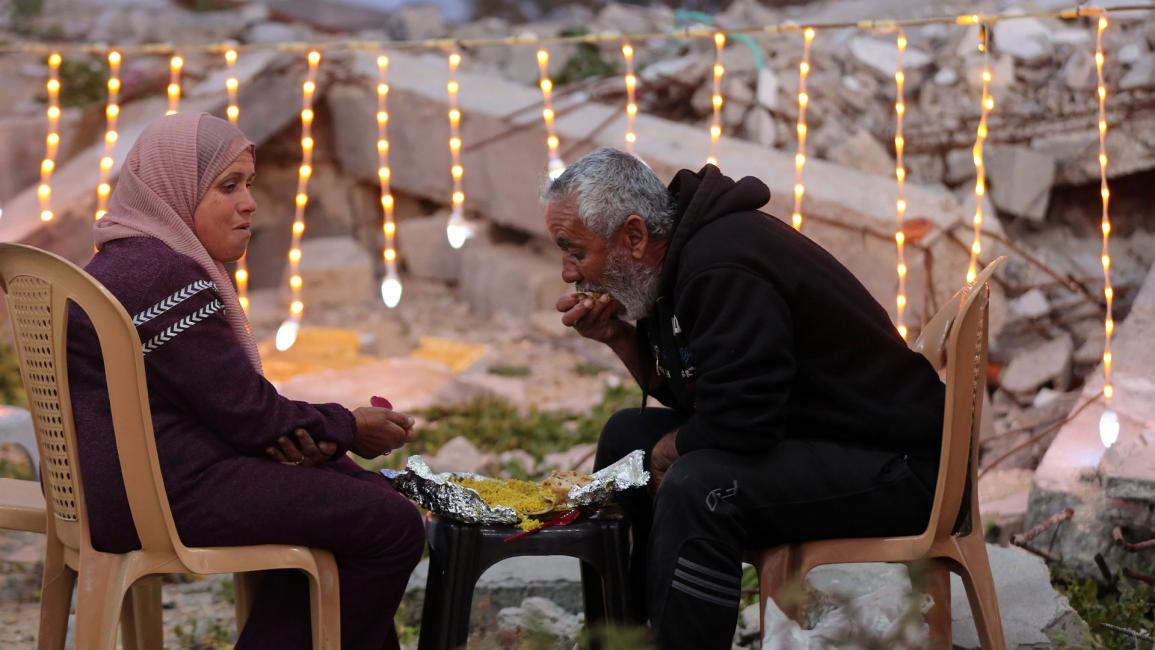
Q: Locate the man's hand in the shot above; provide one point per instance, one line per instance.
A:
(593, 319)
(301, 451)
(380, 431)
(664, 453)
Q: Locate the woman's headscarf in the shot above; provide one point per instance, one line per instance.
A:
(167, 173)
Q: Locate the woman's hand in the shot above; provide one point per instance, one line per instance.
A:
(302, 451)
(380, 431)
(593, 319)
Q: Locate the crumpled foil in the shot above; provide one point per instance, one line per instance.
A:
(436, 492)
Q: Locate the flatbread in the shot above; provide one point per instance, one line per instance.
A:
(561, 481)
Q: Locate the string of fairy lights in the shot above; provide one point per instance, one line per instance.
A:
(900, 43)
(555, 166)
(287, 333)
(391, 285)
(52, 139)
(174, 67)
(1109, 421)
(459, 230)
(631, 80)
(986, 105)
(716, 98)
(111, 113)
(233, 113)
(801, 128)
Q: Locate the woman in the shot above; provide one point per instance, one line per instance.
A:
(181, 209)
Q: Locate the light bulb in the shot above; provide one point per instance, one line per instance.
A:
(391, 289)
(287, 334)
(556, 168)
(458, 231)
(1108, 428)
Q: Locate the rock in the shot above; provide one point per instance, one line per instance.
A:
(1036, 367)
(519, 458)
(1141, 75)
(689, 70)
(946, 77)
(1132, 53)
(768, 88)
(509, 582)
(1074, 37)
(1020, 180)
(1091, 351)
(273, 33)
(960, 167)
(418, 22)
(1003, 497)
(1031, 305)
(738, 99)
(1026, 39)
(541, 616)
(425, 251)
(625, 18)
(1033, 614)
(509, 278)
(1045, 396)
(862, 151)
(21, 141)
(1079, 71)
(457, 455)
(335, 271)
(880, 56)
(16, 428)
(760, 127)
(580, 458)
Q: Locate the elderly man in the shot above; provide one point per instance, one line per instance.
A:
(796, 410)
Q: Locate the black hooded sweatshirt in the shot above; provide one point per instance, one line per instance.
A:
(762, 335)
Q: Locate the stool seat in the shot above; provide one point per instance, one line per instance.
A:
(459, 553)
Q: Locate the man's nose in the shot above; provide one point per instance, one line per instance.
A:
(569, 272)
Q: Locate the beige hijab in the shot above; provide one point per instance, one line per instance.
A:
(164, 178)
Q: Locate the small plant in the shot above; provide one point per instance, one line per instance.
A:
(204, 634)
(587, 369)
(585, 63)
(1126, 603)
(510, 371)
(11, 386)
(82, 82)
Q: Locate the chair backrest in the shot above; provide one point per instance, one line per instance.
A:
(40, 287)
(955, 341)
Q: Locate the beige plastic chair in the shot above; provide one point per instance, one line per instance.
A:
(39, 287)
(954, 339)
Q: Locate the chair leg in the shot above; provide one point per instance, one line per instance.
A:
(325, 603)
(99, 597)
(980, 585)
(245, 587)
(141, 622)
(56, 589)
(936, 583)
(779, 579)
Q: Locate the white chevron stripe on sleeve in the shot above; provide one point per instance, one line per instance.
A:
(172, 331)
(172, 301)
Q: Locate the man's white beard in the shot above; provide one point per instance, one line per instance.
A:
(631, 283)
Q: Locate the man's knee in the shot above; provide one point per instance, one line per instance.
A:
(696, 483)
(621, 435)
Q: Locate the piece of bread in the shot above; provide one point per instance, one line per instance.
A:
(561, 481)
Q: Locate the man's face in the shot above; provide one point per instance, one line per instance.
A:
(594, 264)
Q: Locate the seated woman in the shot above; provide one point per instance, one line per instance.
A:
(181, 209)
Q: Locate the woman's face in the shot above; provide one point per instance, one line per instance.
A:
(223, 219)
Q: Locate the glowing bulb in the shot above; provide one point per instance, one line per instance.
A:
(391, 289)
(1108, 428)
(457, 231)
(287, 334)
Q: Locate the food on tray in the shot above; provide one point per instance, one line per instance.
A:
(524, 497)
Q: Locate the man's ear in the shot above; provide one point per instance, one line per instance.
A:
(637, 235)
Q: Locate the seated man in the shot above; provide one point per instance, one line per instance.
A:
(797, 412)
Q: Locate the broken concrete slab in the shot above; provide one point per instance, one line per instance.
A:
(1031, 305)
(424, 249)
(1021, 180)
(879, 56)
(862, 151)
(503, 277)
(1034, 615)
(335, 271)
(1104, 488)
(1049, 363)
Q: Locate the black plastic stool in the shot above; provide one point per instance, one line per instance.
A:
(460, 553)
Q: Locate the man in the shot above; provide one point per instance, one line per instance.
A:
(796, 410)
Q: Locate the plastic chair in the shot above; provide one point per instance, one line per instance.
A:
(460, 553)
(40, 286)
(954, 339)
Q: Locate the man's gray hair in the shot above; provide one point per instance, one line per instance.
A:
(607, 186)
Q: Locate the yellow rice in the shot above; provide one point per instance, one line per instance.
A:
(524, 497)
